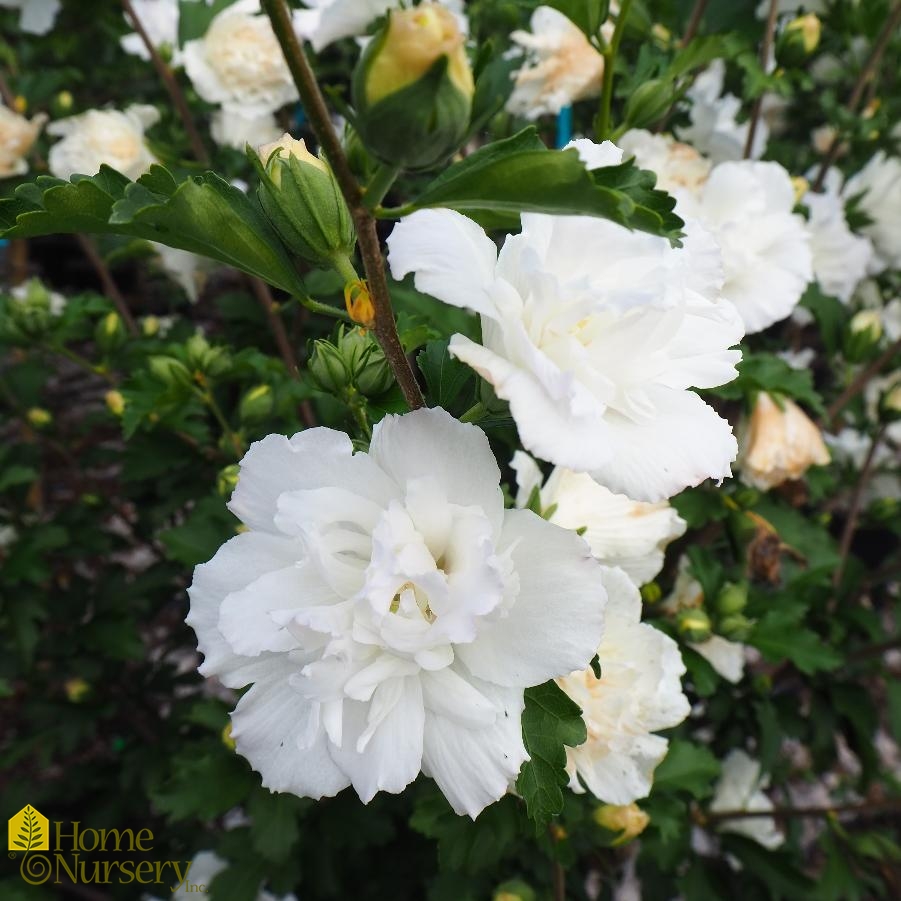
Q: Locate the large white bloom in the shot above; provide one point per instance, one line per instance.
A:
(17, 135)
(238, 62)
(639, 693)
(880, 184)
(765, 246)
(632, 535)
(594, 334)
(36, 16)
(715, 130)
(389, 612)
(840, 258)
(560, 65)
(160, 20)
(741, 788)
(326, 21)
(99, 137)
(678, 167)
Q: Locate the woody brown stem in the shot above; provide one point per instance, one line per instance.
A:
(317, 112)
(172, 87)
(768, 36)
(110, 288)
(857, 92)
(778, 813)
(860, 382)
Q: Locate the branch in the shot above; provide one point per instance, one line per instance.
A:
(781, 813)
(110, 288)
(866, 73)
(854, 509)
(603, 123)
(171, 84)
(694, 22)
(859, 383)
(370, 249)
(768, 36)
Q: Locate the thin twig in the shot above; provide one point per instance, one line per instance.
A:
(779, 813)
(370, 249)
(171, 84)
(277, 327)
(866, 73)
(854, 509)
(860, 382)
(603, 121)
(694, 22)
(110, 288)
(757, 109)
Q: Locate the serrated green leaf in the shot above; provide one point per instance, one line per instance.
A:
(767, 372)
(687, 767)
(779, 636)
(444, 376)
(550, 720)
(519, 174)
(203, 214)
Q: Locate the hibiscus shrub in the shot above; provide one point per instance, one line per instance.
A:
(458, 464)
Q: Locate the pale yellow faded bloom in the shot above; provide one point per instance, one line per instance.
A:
(17, 135)
(416, 39)
(779, 444)
(561, 66)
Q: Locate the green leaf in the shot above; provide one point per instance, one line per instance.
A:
(207, 527)
(195, 16)
(550, 721)
(588, 15)
(767, 372)
(275, 829)
(779, 636)
(445, 377)
(16, 475)
(203, 214)
(687, 767)
(519, 174)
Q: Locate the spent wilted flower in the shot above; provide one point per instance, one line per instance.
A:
(17, 135)
(560, 66)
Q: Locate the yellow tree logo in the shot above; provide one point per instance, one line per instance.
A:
(29, 830)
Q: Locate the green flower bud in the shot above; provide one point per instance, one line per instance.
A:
(798, 40)
(736, 627)
(693, 624)
(413, 88)
(327, 368)
(110, 332)
(115, 402)
(890, 404)
(39, 417)
(203, 358)
(627, 820)
(648, 102)
(301, 197)
(256, 404)
(651, 593)
(32, 308)
(170, 372)
(864, 333)
(63, 103)
(732, 598)
(369, 371)
(150, 326)
(514, 890)
(227, 479)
